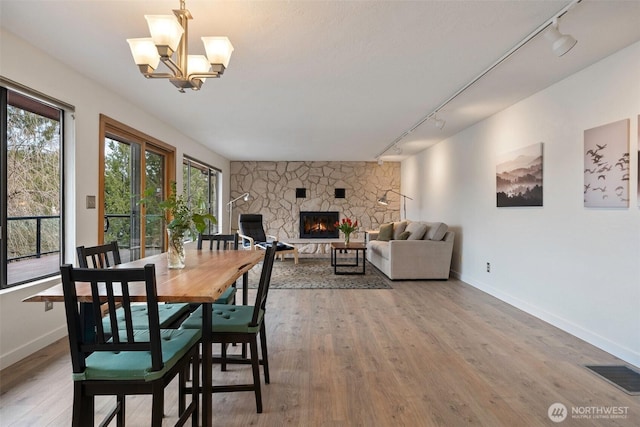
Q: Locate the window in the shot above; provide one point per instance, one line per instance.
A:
(131, 163)
(201, 186)
(31, 162)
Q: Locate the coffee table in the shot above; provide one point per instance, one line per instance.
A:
(352, 246)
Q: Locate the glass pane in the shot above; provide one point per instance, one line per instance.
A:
(200, 186)
(33, 191)
(121, 187)
(154, 226)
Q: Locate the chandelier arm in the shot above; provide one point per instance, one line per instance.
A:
(177, 71)
(158, 75)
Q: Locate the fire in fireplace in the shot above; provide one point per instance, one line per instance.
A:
(319, 225)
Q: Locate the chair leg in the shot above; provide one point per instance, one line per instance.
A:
(265, 357)
(182, 385)
(157, 406)
(120, 400)
(83, 407)
(195, 389)
(223, 356)
(255, 364)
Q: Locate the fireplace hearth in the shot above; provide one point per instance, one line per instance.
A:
(319, 225)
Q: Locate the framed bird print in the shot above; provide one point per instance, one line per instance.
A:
(606, 165)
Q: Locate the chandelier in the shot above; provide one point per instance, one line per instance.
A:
(169, 39)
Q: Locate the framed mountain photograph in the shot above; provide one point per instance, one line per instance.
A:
(519, 177)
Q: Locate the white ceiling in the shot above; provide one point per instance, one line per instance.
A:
(330, 80)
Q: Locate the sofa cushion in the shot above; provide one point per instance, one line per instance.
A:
(398, 229)
(417, 230)
(404, 235)
(386, 232)
(436, 231)
(379, 247)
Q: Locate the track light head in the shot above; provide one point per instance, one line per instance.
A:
(560, 43)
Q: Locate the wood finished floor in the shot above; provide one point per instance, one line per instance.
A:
(422, 354)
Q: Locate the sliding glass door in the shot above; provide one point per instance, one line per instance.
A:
(133, 165)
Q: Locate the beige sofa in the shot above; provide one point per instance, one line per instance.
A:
(421, 256)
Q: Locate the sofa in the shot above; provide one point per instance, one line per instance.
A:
(407, 250)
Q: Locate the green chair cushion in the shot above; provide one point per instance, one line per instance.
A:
(225, 318)
(227, 296)
(136, 365)
(167, 313)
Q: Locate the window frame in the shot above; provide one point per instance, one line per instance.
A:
(186, 188)
(65, 110)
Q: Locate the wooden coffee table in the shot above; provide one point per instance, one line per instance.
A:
(352, 246)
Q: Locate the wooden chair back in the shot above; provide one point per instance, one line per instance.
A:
(222, 241)
(111, 287)
(101, 256)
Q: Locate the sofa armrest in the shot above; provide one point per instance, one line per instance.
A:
(372, 235)
(421, 258)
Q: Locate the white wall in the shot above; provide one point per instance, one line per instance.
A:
(25, 327)
(574, 267)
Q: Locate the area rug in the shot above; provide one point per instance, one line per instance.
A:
(317, 273)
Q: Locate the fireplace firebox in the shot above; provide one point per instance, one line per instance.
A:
(319, 225)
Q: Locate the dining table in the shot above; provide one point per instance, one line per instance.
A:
(206, 275)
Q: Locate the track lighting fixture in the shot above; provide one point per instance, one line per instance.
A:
(560, 43)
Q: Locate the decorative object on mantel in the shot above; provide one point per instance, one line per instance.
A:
(185, 220)
(169, 36)
(384, 201)
(347, 226)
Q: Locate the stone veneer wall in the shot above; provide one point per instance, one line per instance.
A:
(272, 186)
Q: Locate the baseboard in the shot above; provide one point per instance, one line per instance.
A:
(31, 347)
(568, 326)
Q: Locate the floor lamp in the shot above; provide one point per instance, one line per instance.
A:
(246, 197)
(383, 200)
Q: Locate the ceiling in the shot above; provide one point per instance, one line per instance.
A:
(330, 80)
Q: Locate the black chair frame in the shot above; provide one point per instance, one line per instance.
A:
(115, 283)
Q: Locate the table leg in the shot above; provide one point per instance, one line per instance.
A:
(207, 366)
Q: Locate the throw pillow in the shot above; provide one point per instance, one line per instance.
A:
(398, 228)
(386, 232)
(436, 232)
(404, 235)
(417, 230)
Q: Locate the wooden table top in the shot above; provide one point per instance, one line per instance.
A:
(207, 274)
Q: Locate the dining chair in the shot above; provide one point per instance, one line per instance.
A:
(242, 324)
(108, 255)
(126, 361)
(222, 242)
(253, 236)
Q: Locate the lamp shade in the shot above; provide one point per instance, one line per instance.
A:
(383, 200)
(560, 43)
(144, 52)
(165, 30)
(218, 50)
(197, 64)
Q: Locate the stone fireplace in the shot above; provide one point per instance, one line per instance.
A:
(319, 225)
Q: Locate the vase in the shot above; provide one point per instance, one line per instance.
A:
(346, 238)
(175, 254)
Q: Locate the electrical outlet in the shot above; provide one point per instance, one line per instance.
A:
(48, 305)
(488, 267)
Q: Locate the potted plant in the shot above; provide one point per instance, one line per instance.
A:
(184, 220)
